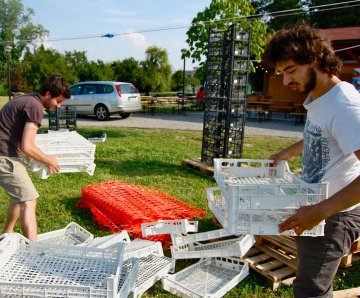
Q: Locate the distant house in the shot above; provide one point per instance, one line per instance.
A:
(346, 43)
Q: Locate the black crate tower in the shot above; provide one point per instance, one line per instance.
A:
(225, 106)
(62, 118)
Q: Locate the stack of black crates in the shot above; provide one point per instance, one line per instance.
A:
(62, 118)
(226, 85)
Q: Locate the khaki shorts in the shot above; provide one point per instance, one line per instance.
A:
(15, 180)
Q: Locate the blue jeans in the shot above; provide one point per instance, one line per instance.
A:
(319, 257)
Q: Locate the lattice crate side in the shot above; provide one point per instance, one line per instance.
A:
(141, 248)
(179, 239)
(66, 149)
(179, 226)
(65, 280)
(65, 160)
(9, 244)
(225, 248)
(255, 222)
(235, 168)
(212, 277)
(272, 193)
(42, 172)
(128, 277)
(152, 268)
(109, 241)
(72, 234)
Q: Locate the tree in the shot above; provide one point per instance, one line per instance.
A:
(16, 29)
(156, 70)
(127, 70)
(177, 80)
(42, 63)
(334, 16)
(281, 18)
(220, 15)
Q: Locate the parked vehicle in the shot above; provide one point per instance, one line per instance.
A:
(102, 99)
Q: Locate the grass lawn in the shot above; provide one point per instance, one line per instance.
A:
(152, 158)
(3, 100)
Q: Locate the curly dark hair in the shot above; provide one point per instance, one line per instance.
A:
(304, 45)
(56, 85)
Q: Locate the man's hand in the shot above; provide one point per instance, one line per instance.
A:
(53, 165)
(305, 218)
(287, 153)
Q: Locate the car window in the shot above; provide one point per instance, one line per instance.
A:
(89, 89)
(76, 90)
(102, 88)
(128, 88)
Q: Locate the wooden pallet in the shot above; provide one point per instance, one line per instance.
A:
(274, 257)
(196, 164)
(353, 255)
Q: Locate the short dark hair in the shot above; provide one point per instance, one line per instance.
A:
(304, 45)
(56, 85)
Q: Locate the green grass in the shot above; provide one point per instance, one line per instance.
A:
(3, 100)
(151, 158)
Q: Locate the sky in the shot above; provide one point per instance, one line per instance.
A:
(69, 19)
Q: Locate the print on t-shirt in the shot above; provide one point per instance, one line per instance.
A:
(315, 155)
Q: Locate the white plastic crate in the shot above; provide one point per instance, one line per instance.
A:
(151, 269)
(67, 165)
(141, 248)
(223, 248)
(255, 222)
(178, 239)
(128, 277)
(248, 184)
(72, 234)
(210, 278)
(98, 138)
(108, 241)
(74, 153)
(179, 226)
(49, 270)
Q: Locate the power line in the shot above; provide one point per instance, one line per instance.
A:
(275, 14)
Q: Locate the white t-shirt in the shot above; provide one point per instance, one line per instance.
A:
(331, 136)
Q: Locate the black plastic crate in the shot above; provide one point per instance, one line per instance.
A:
(62, 118)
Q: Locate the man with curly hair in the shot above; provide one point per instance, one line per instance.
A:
(330, 152)
(20, 119)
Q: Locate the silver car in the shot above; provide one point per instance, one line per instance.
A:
(102, 99)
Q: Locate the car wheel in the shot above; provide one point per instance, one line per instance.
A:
(125, 115)
(101, 112)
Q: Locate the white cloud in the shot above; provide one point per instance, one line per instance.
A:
(137, 39)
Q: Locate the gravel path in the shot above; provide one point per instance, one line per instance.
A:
(193, 121)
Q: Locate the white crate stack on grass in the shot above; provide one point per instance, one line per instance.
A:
(74, 153)
(144, 260)
(50, 270)
(256, 197)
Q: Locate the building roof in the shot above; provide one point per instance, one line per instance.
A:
(340, 34)
(346, 43)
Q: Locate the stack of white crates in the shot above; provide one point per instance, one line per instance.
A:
(70, 262)
(51, 270)
(254, 197)
(74, 153)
